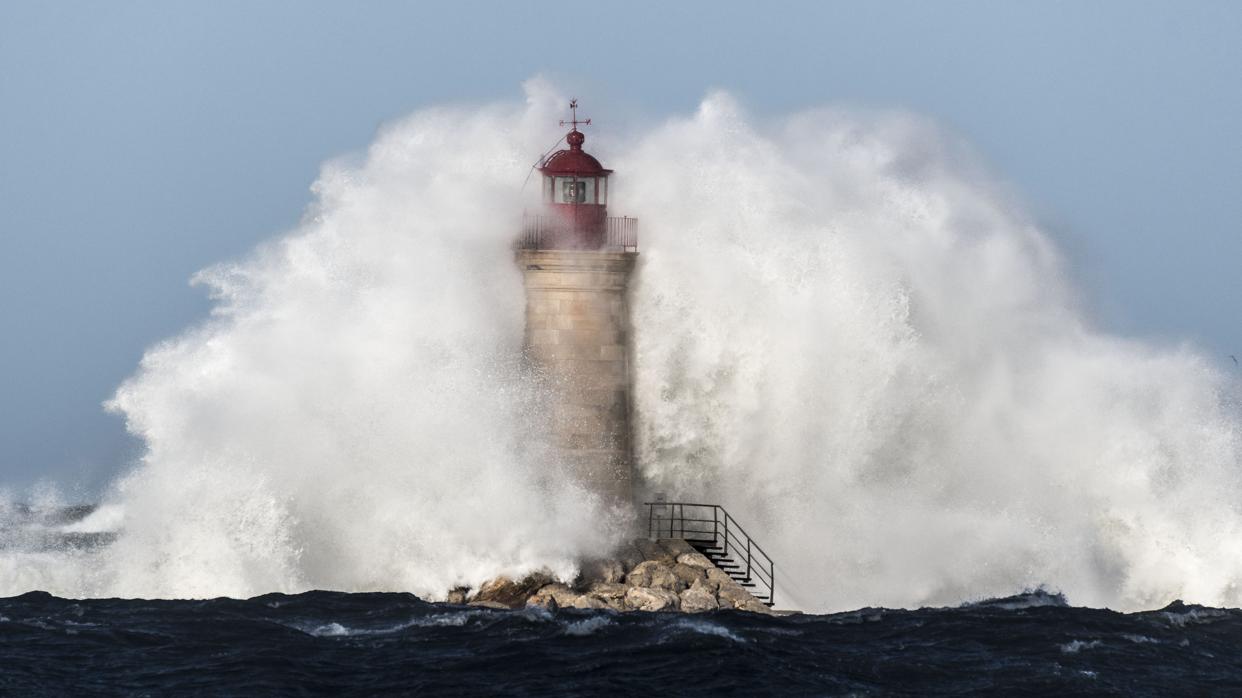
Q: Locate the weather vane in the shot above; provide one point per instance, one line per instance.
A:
(573, 107)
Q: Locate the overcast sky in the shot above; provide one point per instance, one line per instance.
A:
(142, 141)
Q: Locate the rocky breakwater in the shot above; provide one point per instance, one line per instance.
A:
(644, 575)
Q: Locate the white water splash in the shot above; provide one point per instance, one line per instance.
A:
(843, 332)
(354, 415)
(862, 348)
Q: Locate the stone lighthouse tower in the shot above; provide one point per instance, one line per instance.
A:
(576, 261)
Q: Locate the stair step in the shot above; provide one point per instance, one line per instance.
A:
(696, 542)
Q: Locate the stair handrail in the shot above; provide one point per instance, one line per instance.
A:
(750, 543)
(758, 564)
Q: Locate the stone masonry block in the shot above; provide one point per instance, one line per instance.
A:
(538, 337)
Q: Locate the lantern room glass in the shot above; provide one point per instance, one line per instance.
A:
(575, 190)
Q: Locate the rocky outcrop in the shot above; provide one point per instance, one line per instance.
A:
(508, 593)
(644, 575)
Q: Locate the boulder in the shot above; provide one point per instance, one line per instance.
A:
(653, 551)
(706, 586)
(709, 584)
(606, 590)
(552, 597)
(640, 599)
(652, 575)
(718, 576)
(589, 601)
(698, 598)
(754, 605)
(610, 593)
(696, 559)
(599, 571)
(511, 594)
(676, 547)
(547, 603)
(616, 604)
(732, 595)
(457, 595)
(629, 556)
(491, 604)
(687, 575)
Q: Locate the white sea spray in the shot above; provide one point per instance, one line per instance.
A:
(852, 338)
(844, 331)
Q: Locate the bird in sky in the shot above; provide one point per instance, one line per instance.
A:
(1235, 359)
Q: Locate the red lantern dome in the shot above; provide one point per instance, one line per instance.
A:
(574, 162)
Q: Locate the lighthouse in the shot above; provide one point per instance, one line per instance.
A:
(576, 262)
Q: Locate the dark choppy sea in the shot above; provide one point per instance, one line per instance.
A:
(364, 644)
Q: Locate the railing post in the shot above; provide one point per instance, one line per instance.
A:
(715, 533)
(748, 558)
(650, 520)
(771, 582)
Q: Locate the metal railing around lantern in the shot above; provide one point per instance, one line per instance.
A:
(541, 232)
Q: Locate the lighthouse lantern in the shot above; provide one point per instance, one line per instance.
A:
(574, 190)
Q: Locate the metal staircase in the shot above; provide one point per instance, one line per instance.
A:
(709, 529)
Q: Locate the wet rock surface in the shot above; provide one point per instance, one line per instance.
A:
(643, 575)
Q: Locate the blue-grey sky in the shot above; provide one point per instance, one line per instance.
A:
(142, 141)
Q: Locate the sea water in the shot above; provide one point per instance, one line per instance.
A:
(334, 643)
